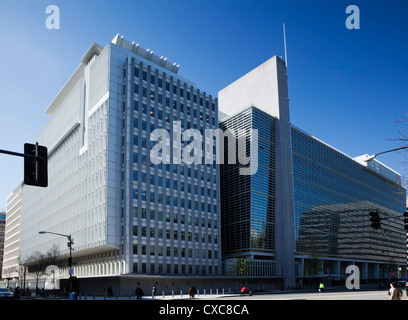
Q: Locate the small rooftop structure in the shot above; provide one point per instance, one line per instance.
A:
(147, 54)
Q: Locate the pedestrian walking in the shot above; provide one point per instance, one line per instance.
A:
(243, 290)
(139, 293)
(321, 287)
(192, 292)
(154, 290)
(110, 292)
(17, 293)
(395, 293)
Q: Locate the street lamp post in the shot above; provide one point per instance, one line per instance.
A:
(69, 244)
(369, 158)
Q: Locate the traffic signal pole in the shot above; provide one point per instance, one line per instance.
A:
(35, 164)
(12, 153)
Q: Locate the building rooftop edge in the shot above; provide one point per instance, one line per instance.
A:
(96, 49)
(147, 54)
(226, 116)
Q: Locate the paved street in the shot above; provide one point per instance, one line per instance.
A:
(344, 295)
(340, 293)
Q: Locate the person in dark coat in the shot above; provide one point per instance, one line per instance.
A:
(17, 293)
(192, 292)
(154, 290)
(139, 293)
(110, 292)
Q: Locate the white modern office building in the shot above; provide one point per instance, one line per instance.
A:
(148, 206)
(127, 215)
(11, 258)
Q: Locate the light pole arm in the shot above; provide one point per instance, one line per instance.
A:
(369, 158)
(58, 234)
(70, 243)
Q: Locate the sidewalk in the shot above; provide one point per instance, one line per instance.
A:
(170, 297)
(211, 295)
(185, 296)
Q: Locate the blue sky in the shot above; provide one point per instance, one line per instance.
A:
(347, 87)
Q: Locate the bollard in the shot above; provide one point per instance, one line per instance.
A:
(223, 292)
(204, 292)
(172, 293)
(163, 294)
(216, 292)
(181, 293)
(210, 292)
(198, 292)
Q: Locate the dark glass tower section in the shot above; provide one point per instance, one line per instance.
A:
(248, 201)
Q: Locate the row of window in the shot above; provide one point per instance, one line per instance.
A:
(153, 197)
(158, 233)
(177, 90)
(174, 268)
(164, 115)
(184, 171)
(159, 216)
(178, 185)
(174, 252)
(184, 159)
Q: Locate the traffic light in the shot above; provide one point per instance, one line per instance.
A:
(405, 214)
(35, 165)
(375, 219)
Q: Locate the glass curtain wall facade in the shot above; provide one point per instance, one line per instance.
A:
(333, 197)
(248, 201)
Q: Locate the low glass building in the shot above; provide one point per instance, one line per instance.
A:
(333, 196)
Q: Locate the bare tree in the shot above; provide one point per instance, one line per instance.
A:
(36, 264)
(51, 257)
(402, 139)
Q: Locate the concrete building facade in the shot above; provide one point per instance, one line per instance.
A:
(126, 214)
(11, 257)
